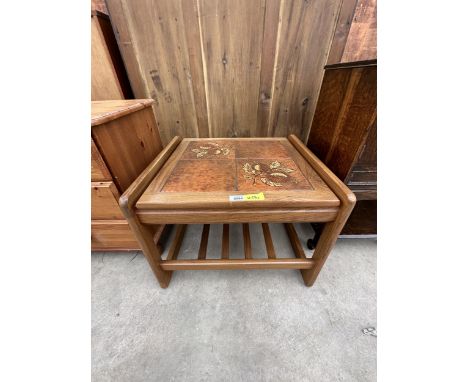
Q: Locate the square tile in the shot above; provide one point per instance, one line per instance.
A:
(201, 176)
(269, 175)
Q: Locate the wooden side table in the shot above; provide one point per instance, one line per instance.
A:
(237, 180)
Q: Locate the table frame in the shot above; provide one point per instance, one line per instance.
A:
(140, 222)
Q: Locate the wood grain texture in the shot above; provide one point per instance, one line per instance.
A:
(343, 26)
(248, 215)
(122, 31)
(125, 141)
(108, 110)
(140, 221)
(247, 242)
(208, 181)
(104, 205)
(128, 144)
(346, 110)
(362, 38)
(233, 63)
(177, 242)
(112, 235)
(237, 264)
(158, 29)
(306, 30)
(332, 229)
(295, 242)
(269, 49)
(363, 219)
(104, 78)
(204, 242)
(220, 68)
(268, 241)
(130, 196)
(99, 170)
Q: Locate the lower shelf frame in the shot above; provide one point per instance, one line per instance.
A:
(249, 262)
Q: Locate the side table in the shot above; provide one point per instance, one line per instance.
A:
(236, 180)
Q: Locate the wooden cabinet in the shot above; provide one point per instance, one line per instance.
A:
(344, 136)
(124, 141)
(108, 76)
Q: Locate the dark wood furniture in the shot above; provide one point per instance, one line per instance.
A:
(237, 180)
(344, 136)
(124, 140)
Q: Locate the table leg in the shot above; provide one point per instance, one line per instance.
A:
(144, 235)
(326, 242)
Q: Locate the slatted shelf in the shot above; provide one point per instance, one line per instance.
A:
(224, 262)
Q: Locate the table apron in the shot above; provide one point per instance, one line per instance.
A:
(282, 215)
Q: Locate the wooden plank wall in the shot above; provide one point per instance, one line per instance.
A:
(345, 20)
(221, 68)
(362, 38)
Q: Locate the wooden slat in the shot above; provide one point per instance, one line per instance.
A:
(176, 265)
(175, 247)
(269, 46)
(268, 241)
(361, 43)
(341, 32)
(233, 63)
(225, 246)
(295, 243)
(247, 243)
(305, 34)
(158, 231)
(204, 242)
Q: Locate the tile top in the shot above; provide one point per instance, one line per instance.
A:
(204, 173)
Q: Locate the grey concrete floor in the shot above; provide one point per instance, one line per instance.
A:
(258, 325)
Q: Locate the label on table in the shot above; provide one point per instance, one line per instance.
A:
(237, 198)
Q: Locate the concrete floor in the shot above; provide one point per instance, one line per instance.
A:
(259, 325)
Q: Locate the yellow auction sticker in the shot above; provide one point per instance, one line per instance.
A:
(237, 198)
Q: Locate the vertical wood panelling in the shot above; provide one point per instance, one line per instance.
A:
(164, 58)
(270, 41)
(221, 68)
(232, 35)
(192, 34)
(362, 38)
(306, 32)
(343, 26)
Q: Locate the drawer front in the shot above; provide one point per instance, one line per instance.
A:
(112, 235)
(99, 171)
(104, 201)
